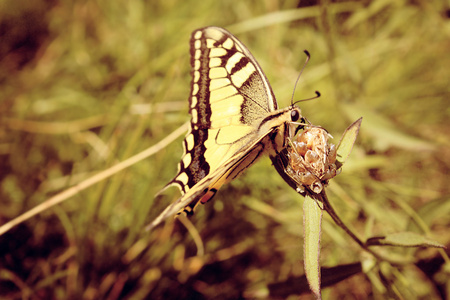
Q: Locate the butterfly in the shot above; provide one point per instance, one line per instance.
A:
(234, 119)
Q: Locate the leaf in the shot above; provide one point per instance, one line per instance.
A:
(312, 219)
(403, 239)
(347, 141)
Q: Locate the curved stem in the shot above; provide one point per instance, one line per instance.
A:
(322, 197)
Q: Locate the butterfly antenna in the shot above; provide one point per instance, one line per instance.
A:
(312, 98)
(308, 56)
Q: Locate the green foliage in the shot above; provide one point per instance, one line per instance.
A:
(87, 84)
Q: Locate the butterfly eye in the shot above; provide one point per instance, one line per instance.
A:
(295, 115)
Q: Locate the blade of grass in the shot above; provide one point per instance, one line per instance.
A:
(93, 180)
(312, 222)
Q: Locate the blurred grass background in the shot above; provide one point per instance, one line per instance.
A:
(86, 84)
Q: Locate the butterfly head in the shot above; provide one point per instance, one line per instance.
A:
(298, 122)
(295, 114)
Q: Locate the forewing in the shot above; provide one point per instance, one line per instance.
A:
(229, 96)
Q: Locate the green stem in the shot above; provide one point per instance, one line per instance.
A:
(322, 197)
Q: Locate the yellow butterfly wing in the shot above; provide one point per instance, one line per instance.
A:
(234, 118)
